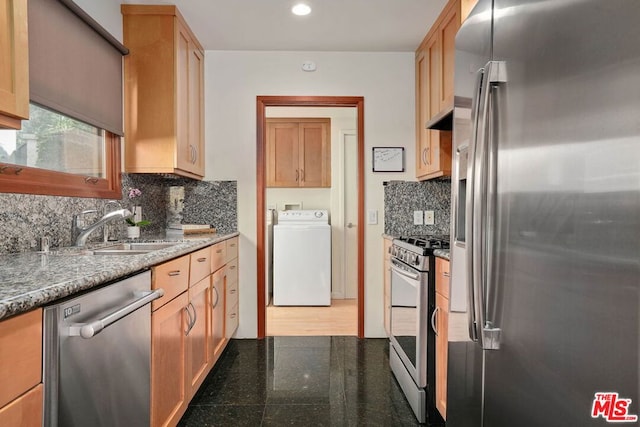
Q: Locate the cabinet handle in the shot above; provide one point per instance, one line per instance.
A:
(446, 274)
(433, 320)
(233, 267)
(189, 325)
(214, 305)
(232, 291)
(232, 316)
(219, 251)
(233, 245)
(88, 180)
(296, 175)
(203, 259)
(301, 175)
(174, 273)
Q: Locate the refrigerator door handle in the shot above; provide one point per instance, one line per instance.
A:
(472, 317)
(485, 213)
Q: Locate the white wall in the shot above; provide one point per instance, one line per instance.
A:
(233, 80)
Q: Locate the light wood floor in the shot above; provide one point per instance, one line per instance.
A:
(340, 318)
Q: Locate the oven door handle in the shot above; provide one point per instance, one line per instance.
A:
(413, 276)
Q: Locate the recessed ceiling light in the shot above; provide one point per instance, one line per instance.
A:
(301, 9)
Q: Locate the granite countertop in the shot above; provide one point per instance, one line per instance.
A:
(442, 253)
(32, 279)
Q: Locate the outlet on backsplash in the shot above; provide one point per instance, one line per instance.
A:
(429, 218)
(418, 218)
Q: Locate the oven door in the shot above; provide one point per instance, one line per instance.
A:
(409, 319)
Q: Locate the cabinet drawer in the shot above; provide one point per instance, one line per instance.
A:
(231, 293)
(20, 355)
(218, 255)
(200, 265)
(442, 277)
(26, 411)
(232, 249)
(232, 271)
(173, 277)
(231, 323)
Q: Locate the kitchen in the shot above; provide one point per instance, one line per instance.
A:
(233, 80)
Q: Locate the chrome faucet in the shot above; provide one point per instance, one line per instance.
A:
(111, 231)
(81, 233)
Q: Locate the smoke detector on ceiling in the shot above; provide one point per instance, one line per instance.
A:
(308, 66)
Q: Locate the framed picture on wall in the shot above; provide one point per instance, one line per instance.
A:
(388, 159)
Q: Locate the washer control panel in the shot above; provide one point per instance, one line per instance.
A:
(304, 216)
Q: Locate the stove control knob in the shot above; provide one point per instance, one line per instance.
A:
(416, 260)
(318, 214)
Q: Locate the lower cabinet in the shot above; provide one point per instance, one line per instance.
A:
(25, 411)
(189, 326)
(442, 331)
(198, 335)
(168, 357)
(21, 370)
(218, 313)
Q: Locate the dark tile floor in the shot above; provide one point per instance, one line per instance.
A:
(318, 381)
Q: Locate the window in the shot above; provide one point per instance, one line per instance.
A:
(70, 146)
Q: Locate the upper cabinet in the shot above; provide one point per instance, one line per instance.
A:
(164, 93)
(14, 68)
(298, 152)
(435, 62)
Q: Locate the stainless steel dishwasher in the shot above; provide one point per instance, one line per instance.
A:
(97, 356)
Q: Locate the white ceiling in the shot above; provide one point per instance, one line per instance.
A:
(333, 25)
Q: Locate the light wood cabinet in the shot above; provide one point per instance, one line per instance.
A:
(217, 342)
(435, 67)
(190, 325)
(386, 271)
(169, 397)
(21, 370)
(231, 289)
(199, 335)
(298, 152)
(14, 67)
(442, 329)
(164, 99)
(25, 411)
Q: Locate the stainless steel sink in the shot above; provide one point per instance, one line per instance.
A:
(133, 248)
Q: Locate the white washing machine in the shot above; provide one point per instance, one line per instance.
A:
(302, 258)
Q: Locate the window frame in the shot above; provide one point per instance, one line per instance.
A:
(30, 180)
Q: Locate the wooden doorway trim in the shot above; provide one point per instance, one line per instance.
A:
(262, 102)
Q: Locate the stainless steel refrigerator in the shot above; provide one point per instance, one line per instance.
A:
(544, 326)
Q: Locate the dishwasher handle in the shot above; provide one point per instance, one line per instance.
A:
(91, 329)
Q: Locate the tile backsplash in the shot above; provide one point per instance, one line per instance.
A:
(24, 218)
(402, 198)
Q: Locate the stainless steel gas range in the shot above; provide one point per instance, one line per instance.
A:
(411, 353)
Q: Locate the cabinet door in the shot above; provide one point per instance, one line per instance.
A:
(14, 67)
(434, 52)
(422, 111)
(447, 33)
(20, 354)
(199, 335)
(25, 411)
(442, 328)
(218, 313)
(282, 155)
(196, 109)
(315, 155)
(183, 147)
(168, 362)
